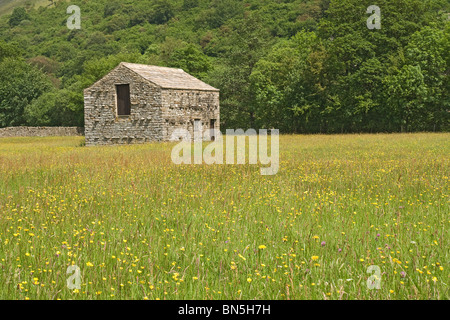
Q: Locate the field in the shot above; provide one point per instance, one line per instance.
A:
(140, 227)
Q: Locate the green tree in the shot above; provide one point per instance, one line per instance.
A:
(18, 15)
(189, 4)
(111, 7)
(220, 12)
(416, 88)
(162, 12)
(56, 108)
(8, 51)
(359, 59)
(426, 50)
(407, 93)
(282, 85)
(20, 84)
(248, 43)
(192, 60)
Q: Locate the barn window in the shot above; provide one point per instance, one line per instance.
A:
(123, 100)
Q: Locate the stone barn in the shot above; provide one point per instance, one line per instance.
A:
(138, 103)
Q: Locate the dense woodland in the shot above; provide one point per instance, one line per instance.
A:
(302, 66)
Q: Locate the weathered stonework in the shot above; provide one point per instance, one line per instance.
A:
(40, 131)
(162, 100)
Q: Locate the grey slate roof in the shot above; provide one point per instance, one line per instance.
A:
(168, 78)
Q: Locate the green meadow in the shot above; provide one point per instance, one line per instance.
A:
(138, 226)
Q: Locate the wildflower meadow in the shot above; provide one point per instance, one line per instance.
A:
(342, 213)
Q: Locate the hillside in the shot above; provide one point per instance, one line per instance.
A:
(298, 65)
(7, 6)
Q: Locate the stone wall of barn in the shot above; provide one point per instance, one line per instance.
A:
(102, 124)
(181, 107)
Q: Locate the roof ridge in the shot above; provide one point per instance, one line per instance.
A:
(152, 65)
(168, 78)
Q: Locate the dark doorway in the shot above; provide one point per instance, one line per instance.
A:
(212, 129)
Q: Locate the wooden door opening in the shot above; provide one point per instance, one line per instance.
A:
(212, 129)
(197, 130)
(123, 100)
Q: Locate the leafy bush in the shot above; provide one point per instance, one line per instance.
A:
(18, 15)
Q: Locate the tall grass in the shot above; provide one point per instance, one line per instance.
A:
(140, 227)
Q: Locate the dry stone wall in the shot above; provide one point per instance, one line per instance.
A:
(40, 131)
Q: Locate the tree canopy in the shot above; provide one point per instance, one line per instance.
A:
(302, 66)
